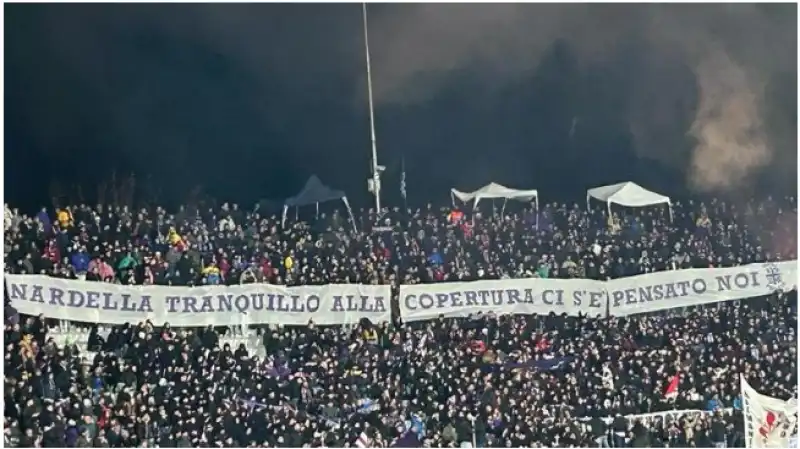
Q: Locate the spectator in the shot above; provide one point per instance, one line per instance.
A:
(489, 381)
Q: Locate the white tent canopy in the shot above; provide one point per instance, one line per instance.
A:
(494, 190)
(315, 192)
(628, 194)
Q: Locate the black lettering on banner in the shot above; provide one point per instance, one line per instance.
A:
(409, 298)
(658, 292)
(190, 304)
(455, 297)
(225, 303)
(207, 306)
(699, 286)
(313, 303)
(109, 303)
(76, 299)
(618, 296)
(484, 297)
(172, 303)
(630, 296)
(595, 298)
(577, 299)
(56, 296)
(242, 302)
(671, 293)
(425, 301)
(362, 303)
(529, 299)
(257, 301)
(92, 300)
(546, 297)
(127, 304)
(497, 297)
(472, 298)
(741, 280)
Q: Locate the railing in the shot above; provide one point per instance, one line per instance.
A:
(669, 415)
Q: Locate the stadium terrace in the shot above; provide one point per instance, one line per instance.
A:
(544, 326)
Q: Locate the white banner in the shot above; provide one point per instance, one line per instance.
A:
(508, 296)
(768, 421)
(99, 302)
(684, 288)
(347, 303)
(636, 294)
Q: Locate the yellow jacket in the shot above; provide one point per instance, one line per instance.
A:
(64, 216)
(211, 269)
(174, 237)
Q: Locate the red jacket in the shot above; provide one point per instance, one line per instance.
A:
(543, 344)
(52, 252)
(478, 346)
(103, 421)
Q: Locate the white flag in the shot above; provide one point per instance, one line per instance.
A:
(363, 440)
(403, 179)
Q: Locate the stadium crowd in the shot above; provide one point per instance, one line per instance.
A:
(485, 381)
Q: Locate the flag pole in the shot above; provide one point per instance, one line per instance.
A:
(403, 185)
(474, 438)
(376, 169)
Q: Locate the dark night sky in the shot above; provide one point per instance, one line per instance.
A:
(248, 100)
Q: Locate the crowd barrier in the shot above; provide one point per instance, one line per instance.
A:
(667, 416)
(345, 304)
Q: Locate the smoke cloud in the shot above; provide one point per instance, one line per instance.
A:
(709, 90)
(728, 128)
(699, 75)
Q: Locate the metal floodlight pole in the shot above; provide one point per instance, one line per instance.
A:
(376, 169)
